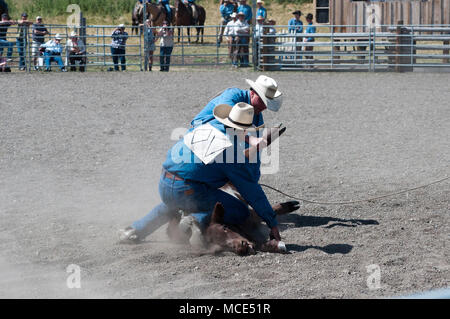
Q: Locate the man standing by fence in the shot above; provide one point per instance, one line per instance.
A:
(21, 40)
(226, 9)
(230, 33)
(4, 43)
(39, 32)
(118, 45)
(242, 40)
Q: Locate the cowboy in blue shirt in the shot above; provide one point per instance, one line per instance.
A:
(247, 10)
(261, 11)
(192, 186)
(295, 24)
(310, 28)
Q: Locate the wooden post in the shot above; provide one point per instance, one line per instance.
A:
(401, 49)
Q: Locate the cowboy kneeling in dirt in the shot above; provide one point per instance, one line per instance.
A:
(193, 174)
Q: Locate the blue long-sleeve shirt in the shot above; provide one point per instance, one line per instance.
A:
(261, 12)
(226, 10)
(247, 10)
(243, 175)
(230, 96)
(295, 26)
(310, 29)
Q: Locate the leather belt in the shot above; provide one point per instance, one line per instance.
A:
(172, 176)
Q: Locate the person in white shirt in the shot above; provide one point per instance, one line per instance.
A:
(259, 31)
(230, 33)
(242, 30)
(75, 51)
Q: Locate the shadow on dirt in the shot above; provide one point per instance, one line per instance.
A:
(329, 249)
(316, 221)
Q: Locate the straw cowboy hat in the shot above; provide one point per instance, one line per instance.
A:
(73, 34)
(239, 116)
(267, 90)
(58, 37)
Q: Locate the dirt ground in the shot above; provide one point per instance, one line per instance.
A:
(81, 156)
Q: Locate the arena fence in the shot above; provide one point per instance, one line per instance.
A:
(355, 48)
(383, 48)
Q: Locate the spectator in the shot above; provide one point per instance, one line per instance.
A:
(227, 7)
(261, 11)
(309, 29)
(52, 52)
(4, 43)
(24, 23)
(247, 10)
(118, 46)
(150, 43)
(295, 27)
(230, 33)
(166, 46)
(259, 31)
(242, 39)
(4, 65)
(76, 51)
(39, 31)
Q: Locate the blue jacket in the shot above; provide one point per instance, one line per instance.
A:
(261, 12)
(247, 10)
(230, 96)
(244, 175)
(226, 10)
(310, 29)
(295, 26)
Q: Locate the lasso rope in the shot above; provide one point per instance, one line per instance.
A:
(355, 201)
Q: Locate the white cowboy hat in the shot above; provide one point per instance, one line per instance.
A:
(259, 1)
(121, 26)
(73, 34)
(233, 15)
(58, 37)
(260, 18)
(267, 90)
(239, 116)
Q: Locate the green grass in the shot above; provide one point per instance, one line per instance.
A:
(54, 8)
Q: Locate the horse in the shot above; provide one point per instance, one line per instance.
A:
(157, 14)
(184, 17)
(137, 17)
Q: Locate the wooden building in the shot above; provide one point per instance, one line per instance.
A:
(381, 12)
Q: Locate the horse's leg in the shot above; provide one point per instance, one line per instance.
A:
(179, 32)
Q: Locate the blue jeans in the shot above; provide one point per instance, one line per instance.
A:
(193, 198)
(118, 54)
(164, 58)
(49, 57)
(20, 43)
(6, 44)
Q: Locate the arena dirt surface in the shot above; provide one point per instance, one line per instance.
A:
(81, 156)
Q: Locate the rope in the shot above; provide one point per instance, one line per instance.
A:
(359, 200)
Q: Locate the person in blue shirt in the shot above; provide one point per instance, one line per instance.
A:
(296, 27)
(309, 29)
(166, 6)
(226, 9)
(52, 52)
(261, 11)
(247, 10)
(295, 24)
(190, 185)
